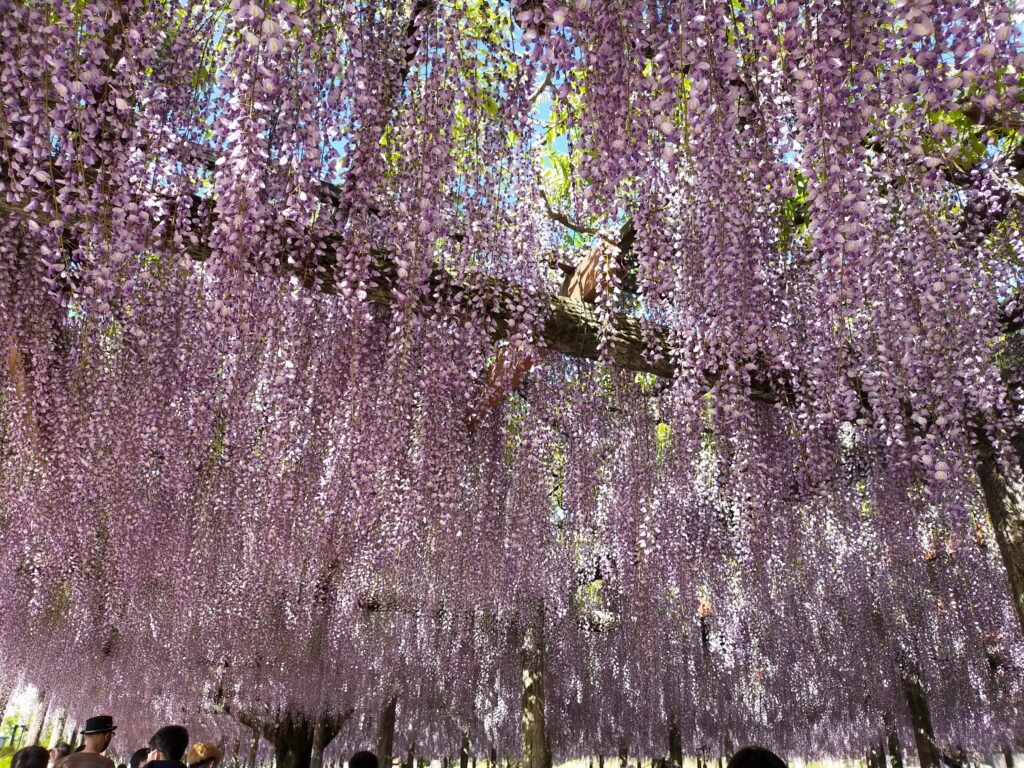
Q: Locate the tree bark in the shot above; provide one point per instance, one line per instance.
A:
(535, 750)
(253, 750)
(5, 698)
(892, 739)
(316, 756)
(57, 734)
(386, 733)
(39, 719)
(293, 743)
(924, 736)
(675, 746)
(295, 736)
(1004, 499)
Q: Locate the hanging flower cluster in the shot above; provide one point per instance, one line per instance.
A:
(256, 259)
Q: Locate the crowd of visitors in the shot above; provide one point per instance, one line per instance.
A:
(169, 748)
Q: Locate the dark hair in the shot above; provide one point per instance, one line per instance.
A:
(30, 757)
(756, 757)
(171, 741)
(138, 757)
(363, 759)
(63, 749)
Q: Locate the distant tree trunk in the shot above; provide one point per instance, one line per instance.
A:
(924, 736)
(1008, 756)
(892, 739)
(494, 758)
(316, 754)
(39, 719)
(386, 732)
(464, 750)
(253, 750)
(296, 737)
(410, 757)
(235, 752)
(535, 750)
(1004, 499)
(600, 761)
(675, 745)
(293, 744)
(5, 699)
(57, 733)
(623, 754)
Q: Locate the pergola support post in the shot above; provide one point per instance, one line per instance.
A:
(386, 732)
(535, 750)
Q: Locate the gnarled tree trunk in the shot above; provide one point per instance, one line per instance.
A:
(39, 719)
(464, 750)
(675, 746)
(57, 733)
(297, 738)
(892, 740)
(253, 750)
(1004, 499)
(924, 736)
(293, 742)
(316, 758)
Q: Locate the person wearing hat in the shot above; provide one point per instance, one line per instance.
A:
(204, 754)
(96, 736)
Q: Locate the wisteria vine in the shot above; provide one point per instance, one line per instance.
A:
(250, 263)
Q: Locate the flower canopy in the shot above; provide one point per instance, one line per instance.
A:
(261, 264)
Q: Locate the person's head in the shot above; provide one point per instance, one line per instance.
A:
(139, 758)
(97, 733)
(756, 757)
(63, 749)
(169, 743)
(363, 759)
(203, 754)
(30, 757)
